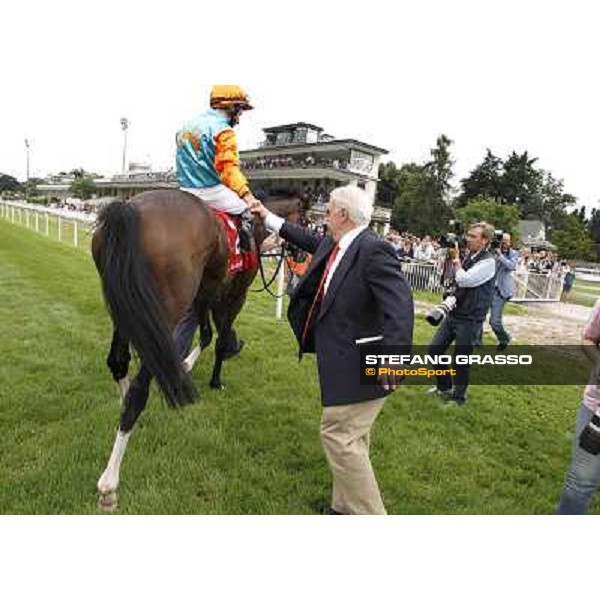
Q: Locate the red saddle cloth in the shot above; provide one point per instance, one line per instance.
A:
(238, 261)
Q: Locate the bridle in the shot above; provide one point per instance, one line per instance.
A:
(267, 284)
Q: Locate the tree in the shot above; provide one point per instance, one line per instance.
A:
(31, 187)
(440, 167)
(9, 184)
(485, 180)
(594, 231)
(387, 188)
(521, 185)
(83, 186)
(594, 225)
(419, 208)
(419, 193)
(555, 201)
(572, 238)
(500, 216)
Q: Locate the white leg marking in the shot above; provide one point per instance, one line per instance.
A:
(109, 482)
(191, 360)
(124, 387)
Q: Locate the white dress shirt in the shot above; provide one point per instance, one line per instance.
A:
(274, 223)
(478, 274)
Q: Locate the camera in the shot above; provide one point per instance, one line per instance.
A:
(454, 237)
(497, 240)
(438, 314)
(590, 438)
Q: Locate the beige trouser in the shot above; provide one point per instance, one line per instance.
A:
(345, 433)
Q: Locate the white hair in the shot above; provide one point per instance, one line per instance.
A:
(355, 201)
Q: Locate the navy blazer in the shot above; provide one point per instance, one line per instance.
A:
(368, 301)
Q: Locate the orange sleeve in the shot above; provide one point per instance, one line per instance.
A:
(227, 163)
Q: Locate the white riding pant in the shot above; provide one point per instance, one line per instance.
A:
(220, 197)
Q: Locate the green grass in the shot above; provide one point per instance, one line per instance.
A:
(584, 293)
(581, 300)
(592, 287)
(253, 448)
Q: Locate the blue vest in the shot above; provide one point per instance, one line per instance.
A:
(474, 303)
(196, 150)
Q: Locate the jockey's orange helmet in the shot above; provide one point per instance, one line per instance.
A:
(229, 96)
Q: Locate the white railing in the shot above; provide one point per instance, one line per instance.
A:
(538, 287)
(529, 287)
(423, 277)
(60, 224)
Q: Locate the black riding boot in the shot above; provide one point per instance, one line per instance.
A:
(246, 231)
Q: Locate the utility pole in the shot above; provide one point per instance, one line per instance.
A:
(124, 127)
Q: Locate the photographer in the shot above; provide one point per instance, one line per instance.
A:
(470, 299)
(506, 264)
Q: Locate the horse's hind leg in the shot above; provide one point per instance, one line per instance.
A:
(206, 331)
(118, 362)
(134, 403)
(197, 317)
(227, 343)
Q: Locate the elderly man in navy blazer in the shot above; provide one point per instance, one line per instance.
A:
(354, 294)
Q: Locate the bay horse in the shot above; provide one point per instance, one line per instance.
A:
(159, 255)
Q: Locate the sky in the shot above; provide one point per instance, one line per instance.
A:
(500, 75)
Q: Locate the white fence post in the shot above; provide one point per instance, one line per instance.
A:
(47, 224)
(59, 229)
(75, 233)
(27, 218)
(280, 290)
(37, 221)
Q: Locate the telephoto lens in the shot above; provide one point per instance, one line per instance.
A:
(439, 313)
(590, 438)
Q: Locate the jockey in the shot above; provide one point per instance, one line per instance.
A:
(208, 161)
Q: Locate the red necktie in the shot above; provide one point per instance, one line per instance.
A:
(320, 293)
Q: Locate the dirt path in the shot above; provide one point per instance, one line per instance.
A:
(551, 323)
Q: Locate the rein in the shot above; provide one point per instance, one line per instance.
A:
(267, 284)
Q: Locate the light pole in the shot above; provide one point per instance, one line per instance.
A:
(27, 172)
(124, 127)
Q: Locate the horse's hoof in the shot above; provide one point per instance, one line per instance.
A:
(108, 503)
(217, 385)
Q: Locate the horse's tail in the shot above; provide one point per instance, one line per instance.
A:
(133, 303)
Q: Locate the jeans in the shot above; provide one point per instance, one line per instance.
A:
(498, 303)
(184, 334)
(465, 333)
(583, 478)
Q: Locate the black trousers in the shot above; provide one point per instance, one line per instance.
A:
(465, 334)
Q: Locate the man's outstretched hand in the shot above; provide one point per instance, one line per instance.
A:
(258, 210)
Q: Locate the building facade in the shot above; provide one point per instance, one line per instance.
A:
(301, 159)
(295, 159)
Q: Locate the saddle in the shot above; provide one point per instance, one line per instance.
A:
(239, 262)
